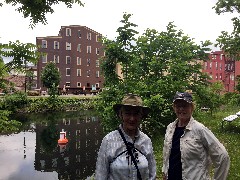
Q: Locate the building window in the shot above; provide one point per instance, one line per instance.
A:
(44, 44)
(68, 71)
(210, 75)
(97, 74)
(44, 58)
(221, 57)
(216, 76)
(79, 34)
(98, 38)
(220, 66)
(88, 49)
(232, 77)
(88, 73)
(79, 72)
(216, 65)
(56, 45)
(97, 51)
(68, 32)
(68, 46)
(79, 84)
(68, 84)
(79, 47)
(88, 36)
(56, 59)
(214, 56)
(97, 85)
(220, 76)
(210, 65)
(66, 121)
(97, 63)
(68, 60)
(79, 61)
(88, 62)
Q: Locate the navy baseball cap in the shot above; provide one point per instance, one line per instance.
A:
(183, 96)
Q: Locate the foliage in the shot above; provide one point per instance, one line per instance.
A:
(232, 98)
(209, 97)
(155, 65)
(29, 79)
(229, 42)
(42, 104)
(15, 101)
(37, 10)
(7, 125)
(50, 78)
(21, 54)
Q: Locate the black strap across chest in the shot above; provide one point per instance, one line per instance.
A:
(130, 153)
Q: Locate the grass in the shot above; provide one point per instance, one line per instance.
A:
(229, 136)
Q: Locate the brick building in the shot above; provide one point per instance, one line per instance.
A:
(222, 68)
(76, 51)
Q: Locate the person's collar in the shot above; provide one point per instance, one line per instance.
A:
(137, 135)
(189, 125)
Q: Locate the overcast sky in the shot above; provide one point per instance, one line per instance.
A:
(196, 18)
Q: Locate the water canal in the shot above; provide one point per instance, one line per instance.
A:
(34, 153)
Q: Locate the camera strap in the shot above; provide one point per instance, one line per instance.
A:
(130, 153)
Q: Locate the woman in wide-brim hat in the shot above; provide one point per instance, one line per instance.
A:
(114, 161)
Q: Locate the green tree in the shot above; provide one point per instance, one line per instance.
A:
(37, 9)
(155, 65)
(50, 78)
(229, 42)
(29, 79)
(210, 97)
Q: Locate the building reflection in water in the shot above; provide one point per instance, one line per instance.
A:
(76, 159)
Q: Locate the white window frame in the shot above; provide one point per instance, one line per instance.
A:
(79, 84)
(79, 34)
(89, 36)
(97, 51)
(68, 32)
(97, 38)
(67, 71)
(68, 46)
(79, 47)
(88, 61)
(97, 74)
(56, 45)
(97, 63)
(89, 49)
(68, 58)
(44, 44)
(56, 59)
(79, 72)
(44, 58)
(88, 73)
(97, 85)
(79, 61)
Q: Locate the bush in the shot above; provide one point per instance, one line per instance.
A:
(15, 101)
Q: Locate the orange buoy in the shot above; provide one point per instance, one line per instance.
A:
(63, 139)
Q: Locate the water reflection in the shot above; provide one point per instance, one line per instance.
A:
(34, 152)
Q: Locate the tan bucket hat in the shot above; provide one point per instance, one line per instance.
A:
(132, 100)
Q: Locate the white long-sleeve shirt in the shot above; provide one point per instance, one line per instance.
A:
(114, 163)
(199, 149)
